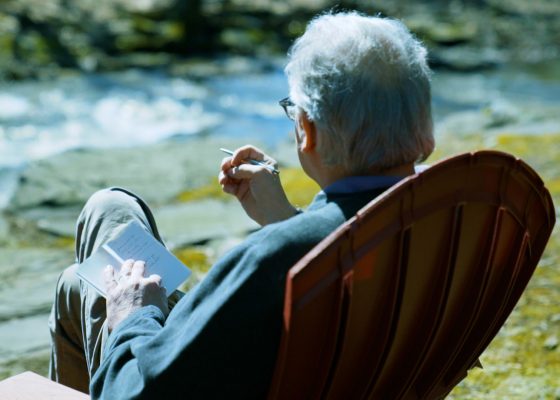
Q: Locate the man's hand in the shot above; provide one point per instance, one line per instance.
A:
(258, 189)
(128, 290)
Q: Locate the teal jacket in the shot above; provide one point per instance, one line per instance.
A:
(221, 340)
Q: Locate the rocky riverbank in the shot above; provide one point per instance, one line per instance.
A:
(178, 179)
(42, 38)
(199, 223)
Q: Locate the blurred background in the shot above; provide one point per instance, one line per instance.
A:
(142, 93)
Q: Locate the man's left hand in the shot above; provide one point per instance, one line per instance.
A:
(128, 290)
(258, 190)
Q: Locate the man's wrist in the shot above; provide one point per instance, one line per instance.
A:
(283, 215)
(142, 312)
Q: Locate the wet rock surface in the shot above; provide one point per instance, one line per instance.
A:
(27, 280)
(70, 178)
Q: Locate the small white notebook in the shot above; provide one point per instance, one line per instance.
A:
(135, 243)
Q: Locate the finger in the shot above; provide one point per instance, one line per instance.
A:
(225, 164)
(231, 188)
(154, 278)
(223, 179)
(247, 152)
(250, 152)
(228, 185)
(245, 171)
(126, 267)
(109, 278)
(138, 269)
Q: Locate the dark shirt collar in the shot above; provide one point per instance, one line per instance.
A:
(357, 184)
(353, 184)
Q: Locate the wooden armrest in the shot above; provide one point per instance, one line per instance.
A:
(30, 386)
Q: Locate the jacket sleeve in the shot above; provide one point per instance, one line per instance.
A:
(220, 341)
(210, 345)
(118, 353)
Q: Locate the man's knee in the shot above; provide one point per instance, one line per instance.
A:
(67, 297)
(110, 199)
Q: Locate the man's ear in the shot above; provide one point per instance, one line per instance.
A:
(309, 139)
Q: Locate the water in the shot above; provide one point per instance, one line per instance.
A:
(517, 86)
(133, 108)
(39, 119)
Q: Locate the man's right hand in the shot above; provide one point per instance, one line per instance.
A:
(258, 189)
(128, 291)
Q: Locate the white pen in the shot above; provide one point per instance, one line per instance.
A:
(254, 162)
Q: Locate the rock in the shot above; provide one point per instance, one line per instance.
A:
(500, 113)
(466, 58)
(158, 173)
(33, 47)
(38, 35)
(551, 342)
(145, 7)
(9, 28)
(57, 221)
(145, 34)
(4, 230)
(451, 32)
(21, 336)
(37, 38)
(241, 40)
(201, 221)
(8, 24)
(524, 8)
(200, 68)
(28, 281)
(137, 59)
(518, 386)
(36, 361)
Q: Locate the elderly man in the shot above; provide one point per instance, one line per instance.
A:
(360, 100)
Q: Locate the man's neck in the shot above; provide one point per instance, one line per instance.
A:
(331, 175)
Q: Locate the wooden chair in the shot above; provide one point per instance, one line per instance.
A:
(400, 301)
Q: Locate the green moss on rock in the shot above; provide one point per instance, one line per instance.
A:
(299, 188)
(211, 190)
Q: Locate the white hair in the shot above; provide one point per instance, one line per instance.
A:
(365, 83)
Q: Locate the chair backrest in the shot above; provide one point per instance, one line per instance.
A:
(400, 301)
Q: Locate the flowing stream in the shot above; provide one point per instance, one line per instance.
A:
(132, 108)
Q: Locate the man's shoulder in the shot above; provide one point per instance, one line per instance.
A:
(308, 226)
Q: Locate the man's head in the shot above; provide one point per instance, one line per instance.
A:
(364, 83)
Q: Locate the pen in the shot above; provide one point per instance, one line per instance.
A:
(254, 162)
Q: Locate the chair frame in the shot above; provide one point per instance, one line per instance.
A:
(471, 287)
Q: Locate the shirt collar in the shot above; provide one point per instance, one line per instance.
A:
(356, 184)
(353, 184)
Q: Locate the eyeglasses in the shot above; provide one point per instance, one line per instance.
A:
(289, 108)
